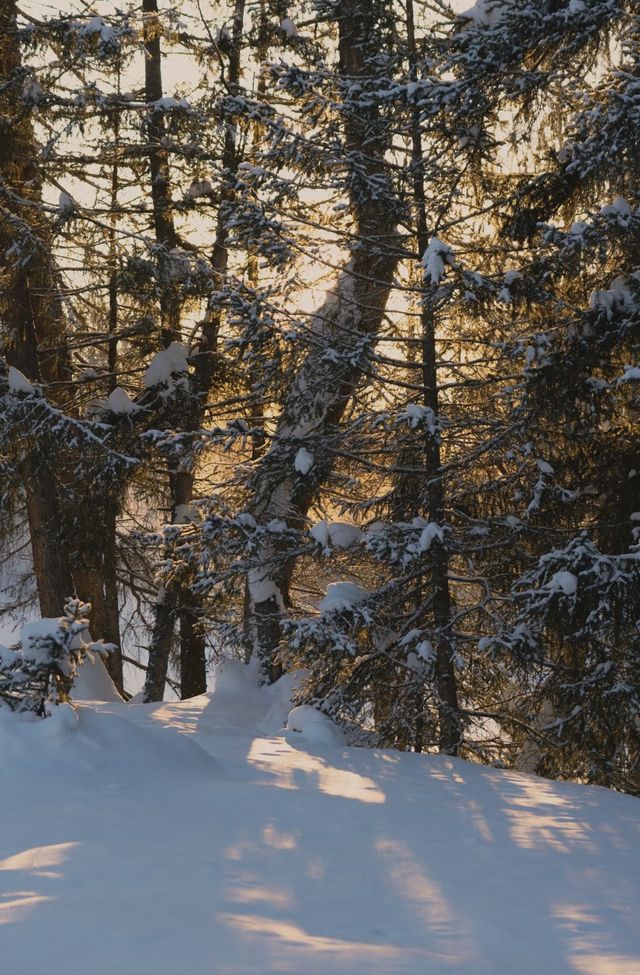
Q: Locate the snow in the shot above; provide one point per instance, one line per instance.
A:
(415, 414)
(138, 836)
(33, 637)
(343, 534)
(93, 682)
(262, 587)
(18, 382)
(199, 187)
(248, 169)
(288, 26)
(631, 374)
(429, 534)
(32, 91)
(618, 297)
(96, 25)
(186, 514)
(165, 364)
(425, 651)
(303, 461)
(320, 532)
(66, 203)
(119, 401)
(8, 656)
(341, 596)
(567, 582)
(619, 208)
(314, 726)
(169, 103)
(486, 13)
(435, 258)
(340, 534)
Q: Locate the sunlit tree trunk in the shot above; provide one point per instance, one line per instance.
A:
(177, 604)
(347, 323)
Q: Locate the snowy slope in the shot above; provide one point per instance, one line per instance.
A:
(199, 838)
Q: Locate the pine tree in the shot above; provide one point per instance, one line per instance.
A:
(40, 673)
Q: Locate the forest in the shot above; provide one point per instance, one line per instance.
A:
(320, 328)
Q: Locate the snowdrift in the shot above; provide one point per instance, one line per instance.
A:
(201, 837)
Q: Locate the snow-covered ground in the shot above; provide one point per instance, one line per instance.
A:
(198, 837)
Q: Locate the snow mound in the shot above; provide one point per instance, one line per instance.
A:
(133, 755)
(233, 676)
(314, 726)
(343, 534)
(124, 840)
(93, 682)
(96, 25)
(239, 705)
(416, 415)
(617, 298)
(281, 694)
(100, 747)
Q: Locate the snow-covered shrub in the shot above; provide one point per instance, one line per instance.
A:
(41, 671)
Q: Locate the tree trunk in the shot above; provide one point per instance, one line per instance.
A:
(166, 603)
(31, 314)
(95, 578)
(193, 660)
(348, 322)
(184, 605)
(446, 686)
(160, 185)
(111, 631)
(193, 671)
(160, 646)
